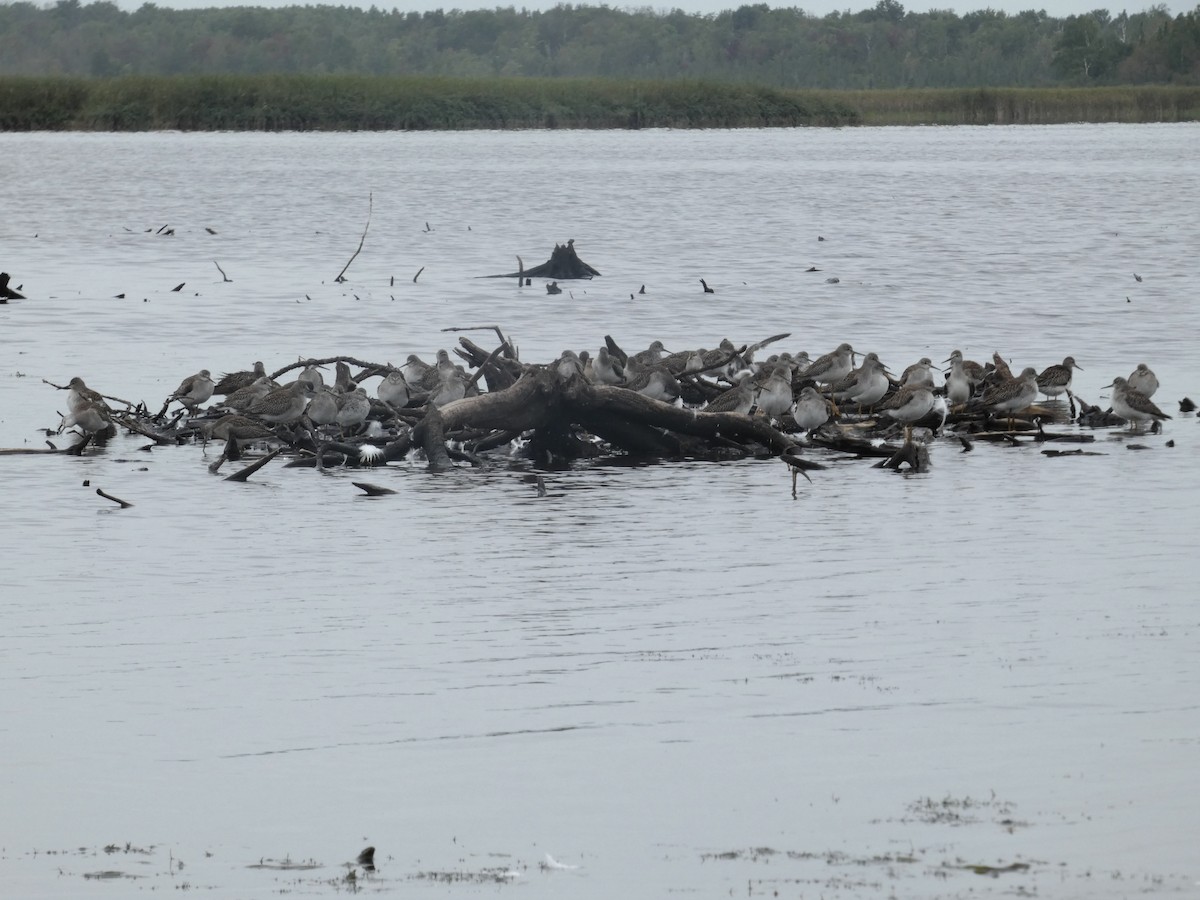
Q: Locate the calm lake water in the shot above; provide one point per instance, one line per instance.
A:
(673, 678)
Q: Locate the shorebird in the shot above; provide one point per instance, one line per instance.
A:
(811, 411)
(1133, 406)
(450, 387)
(569, 365)
(739, 398)
(684, 362)
(91, 418)
(920, 372)
(443, 370)
(1001, 366)
(236, 380)
(393, 390)
(651, 356)
(323, 408)
(832, 367)
(240, 428)
(245, 397)
(1013, 395)
(79, 393)
(1055, 380)
(725, 353)
(341, 383)
(353, 407)
(866, 385)
(775, 391)
(908, 405)
(958, 383)
(656, 383)
(194, 390)
(414, 369)
(312, 374)
(605, 369)
(284, 405)
(1143, 380)
(973, 370)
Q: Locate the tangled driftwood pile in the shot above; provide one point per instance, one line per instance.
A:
(699, 404)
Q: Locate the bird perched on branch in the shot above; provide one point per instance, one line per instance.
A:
(234, 381)
(1055, 380)
(832, 367)
(865, 385)
(245, 397)
(89, 417)
(739, 399)
(1013, 395)
(811, 410)
(393, 390)
(353, 407)
(284, 405)
(79, 393)
(194, 390)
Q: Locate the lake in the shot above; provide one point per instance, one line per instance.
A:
(658, 680)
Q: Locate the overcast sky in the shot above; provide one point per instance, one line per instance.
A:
(1056, 8)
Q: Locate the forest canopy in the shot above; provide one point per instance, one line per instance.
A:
(883, 46)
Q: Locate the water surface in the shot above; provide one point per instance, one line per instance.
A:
(674, 677)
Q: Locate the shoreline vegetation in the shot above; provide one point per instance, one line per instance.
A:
(420, 103)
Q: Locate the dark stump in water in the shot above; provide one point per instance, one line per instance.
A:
(564, 263)
(7, 293)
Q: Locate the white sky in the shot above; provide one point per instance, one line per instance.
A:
(1056, 8)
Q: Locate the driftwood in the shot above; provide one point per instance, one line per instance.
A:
(124, 504)
(552, 414)
(372, 490)
(431, 435)
(564, 263)
(245, 473)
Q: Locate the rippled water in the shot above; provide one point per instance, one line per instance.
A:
(675, 677)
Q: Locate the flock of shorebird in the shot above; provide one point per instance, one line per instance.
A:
(799, 393)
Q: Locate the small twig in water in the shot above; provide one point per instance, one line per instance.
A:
(418, 275)
(370, 207)
(224, 278)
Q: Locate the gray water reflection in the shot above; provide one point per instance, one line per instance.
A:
(655, 668)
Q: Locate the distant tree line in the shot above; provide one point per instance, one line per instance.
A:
(881, 47)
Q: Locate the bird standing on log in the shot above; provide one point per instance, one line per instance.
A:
(1133, 406)
(1056, 380)
(234, 381)
(194, 390)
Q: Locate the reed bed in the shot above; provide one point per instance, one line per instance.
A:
(348, 103)
(314, 103)
(1025, 106)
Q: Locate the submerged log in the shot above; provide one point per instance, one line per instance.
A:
(563, 263)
